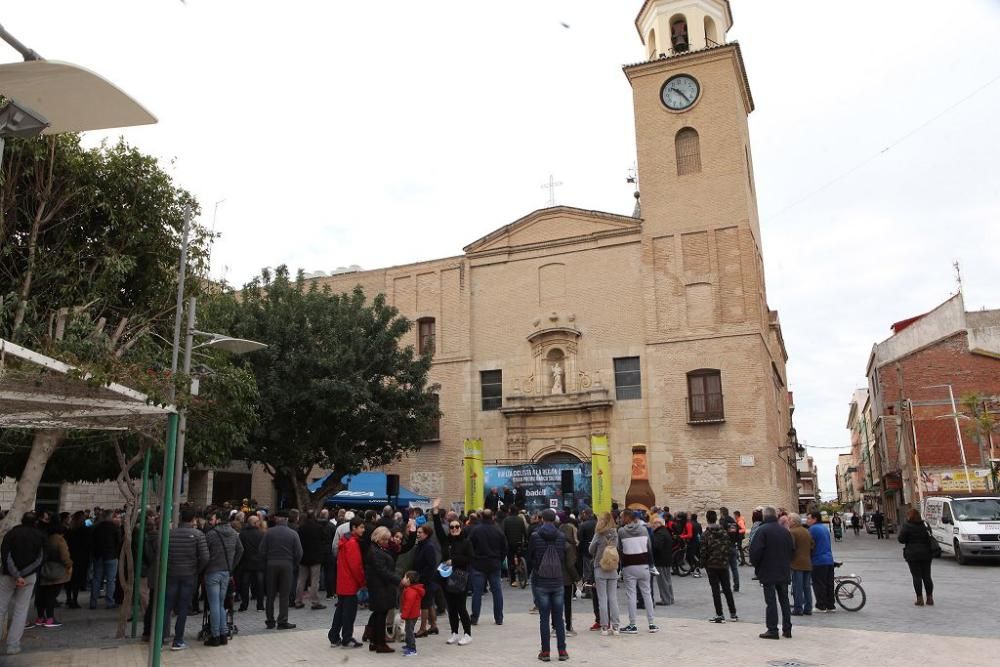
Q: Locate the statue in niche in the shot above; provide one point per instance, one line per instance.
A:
(557, 379)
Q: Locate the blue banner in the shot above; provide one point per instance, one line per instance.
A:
(542, 484)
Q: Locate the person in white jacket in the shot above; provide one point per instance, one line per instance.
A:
(637, 558)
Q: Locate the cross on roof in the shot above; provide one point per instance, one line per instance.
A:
(551, 186)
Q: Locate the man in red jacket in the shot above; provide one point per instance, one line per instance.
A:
(350, 579)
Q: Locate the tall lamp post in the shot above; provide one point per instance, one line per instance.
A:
(216, 341)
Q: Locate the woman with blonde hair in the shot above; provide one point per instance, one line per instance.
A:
(604, 551)
(380, 574)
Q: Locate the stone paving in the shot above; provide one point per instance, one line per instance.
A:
(890, 630)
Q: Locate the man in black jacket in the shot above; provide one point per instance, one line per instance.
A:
(313, 533)
(251, 565)
(107, 545)
(489, 547)
(515, 530)
(21, 554)
(771, 555)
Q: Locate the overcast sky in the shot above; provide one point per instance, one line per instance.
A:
(380, 133)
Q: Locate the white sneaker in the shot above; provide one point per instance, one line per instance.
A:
(615, 631)
(453, 639)
(465, 640)
(604, 632)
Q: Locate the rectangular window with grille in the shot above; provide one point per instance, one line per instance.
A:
(491, 384)
(628, 379)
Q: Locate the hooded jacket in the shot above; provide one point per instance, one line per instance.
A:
(224, 548)
(546, 536)
(350, 567)
(716, 547)
(636, 547)
(409, 608)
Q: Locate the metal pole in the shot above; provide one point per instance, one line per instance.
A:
(958, 432)
(137, 576)
(182, 422)
(26, 53)
(916, 456)
(156, 644)
(178, 315)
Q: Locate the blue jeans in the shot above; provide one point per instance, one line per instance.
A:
(550, 602)
(496, 588)
(802, 600)
(179, 592)
(216, 584)
(104, 569)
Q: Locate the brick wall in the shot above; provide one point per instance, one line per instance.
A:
(948, 361)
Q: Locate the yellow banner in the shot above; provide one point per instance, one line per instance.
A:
(474, 475)
(600, 467)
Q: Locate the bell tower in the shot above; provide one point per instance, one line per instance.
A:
(698, 204)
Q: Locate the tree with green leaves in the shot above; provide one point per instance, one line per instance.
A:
(89, 245)
(338, 390)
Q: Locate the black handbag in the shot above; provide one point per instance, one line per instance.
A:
(935, 547)
(53, 570)
(458, 582)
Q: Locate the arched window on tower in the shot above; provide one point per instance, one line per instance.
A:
(679, 33)
(651, 44)
(688, 148)
(711, 33)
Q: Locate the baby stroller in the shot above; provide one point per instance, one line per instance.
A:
(206, 618)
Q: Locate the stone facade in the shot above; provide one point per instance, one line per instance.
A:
(679, 286)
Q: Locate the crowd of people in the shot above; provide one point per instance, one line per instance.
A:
(408, 568)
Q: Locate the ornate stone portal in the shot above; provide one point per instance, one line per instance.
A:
(559, 406)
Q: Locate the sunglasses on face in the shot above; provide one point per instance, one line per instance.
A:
(454, 526)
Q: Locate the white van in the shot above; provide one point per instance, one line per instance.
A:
(965, 527)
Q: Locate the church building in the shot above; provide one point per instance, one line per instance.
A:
(652, 329)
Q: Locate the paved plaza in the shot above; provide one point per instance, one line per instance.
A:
(890, 630)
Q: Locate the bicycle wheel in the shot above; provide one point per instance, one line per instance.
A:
(683, 566)
(850, 595)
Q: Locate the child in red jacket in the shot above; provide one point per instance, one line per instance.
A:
(409, 609)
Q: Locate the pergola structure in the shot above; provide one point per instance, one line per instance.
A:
(45, 393)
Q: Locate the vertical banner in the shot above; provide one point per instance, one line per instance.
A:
(474, 474)
(600, 474)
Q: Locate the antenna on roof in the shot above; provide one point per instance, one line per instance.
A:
(958, 274)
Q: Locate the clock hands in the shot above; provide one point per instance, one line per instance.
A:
(686, 98)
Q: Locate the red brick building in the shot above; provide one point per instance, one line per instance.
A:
(909, 378)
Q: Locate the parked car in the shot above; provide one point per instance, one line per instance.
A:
(847, 517)
(888, 527)
(965, 528)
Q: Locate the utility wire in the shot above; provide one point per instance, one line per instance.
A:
(885, 150)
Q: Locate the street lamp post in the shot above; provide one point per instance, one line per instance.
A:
(958, 429)
(218, 341)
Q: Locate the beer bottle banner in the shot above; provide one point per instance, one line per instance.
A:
(474, 475)
(601, 474)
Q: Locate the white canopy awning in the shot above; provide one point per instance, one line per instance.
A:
(44, 393)
(70, 97)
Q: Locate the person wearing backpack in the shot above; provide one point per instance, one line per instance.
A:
(604, 551)
(547, 554)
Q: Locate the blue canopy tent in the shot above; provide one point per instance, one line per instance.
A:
(367, 489)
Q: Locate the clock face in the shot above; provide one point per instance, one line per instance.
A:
(680, 92)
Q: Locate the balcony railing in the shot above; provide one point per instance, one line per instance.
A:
(705, 409)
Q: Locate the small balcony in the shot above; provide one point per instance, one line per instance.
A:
(705, 409)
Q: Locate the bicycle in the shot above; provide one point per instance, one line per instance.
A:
(848, 591)
(679, 561)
